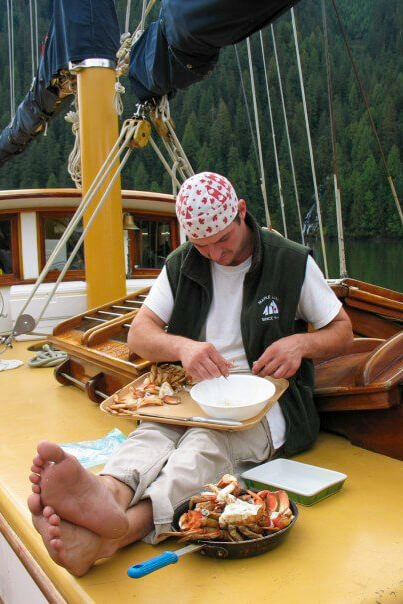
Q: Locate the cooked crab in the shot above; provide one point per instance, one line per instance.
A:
(226, 512)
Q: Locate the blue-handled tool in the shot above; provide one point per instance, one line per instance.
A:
(149, 566)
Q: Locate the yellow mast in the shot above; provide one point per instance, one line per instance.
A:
(103, 245)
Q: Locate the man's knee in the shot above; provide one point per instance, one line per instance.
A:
(201, 437)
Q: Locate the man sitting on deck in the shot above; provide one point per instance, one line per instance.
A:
(233, 296)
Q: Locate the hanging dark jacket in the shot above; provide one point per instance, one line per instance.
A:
(271, 292)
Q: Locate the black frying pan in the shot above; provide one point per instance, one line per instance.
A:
(213, 549)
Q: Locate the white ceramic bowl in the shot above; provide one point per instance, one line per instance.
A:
(237, 397)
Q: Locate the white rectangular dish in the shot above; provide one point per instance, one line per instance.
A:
(304, 483)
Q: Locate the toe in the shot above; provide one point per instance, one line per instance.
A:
(50, 452)
(36, 488)
(48, 511)
(54, 520)
(34, 504)
(56, 544)
(34, 478)
(38, 461)
(54, 532)
(36, 469)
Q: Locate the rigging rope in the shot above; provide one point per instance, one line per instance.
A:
(10, 26)
(246, 104)
(143, 17)
(339, 215)
(74, 160)
(127, 20)
(280, 188)
(262, 176)
(308, 132)
(127, 138)
(179, 153)
(294, 179)
(31, 25)
(85, 230)
(161, 119)
(371, 121)
(48, 357)
(127, 41)
(175, 182)
(123, 141)
(123, 54)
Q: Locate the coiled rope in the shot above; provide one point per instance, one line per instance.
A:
(48, 357)
(74, 161)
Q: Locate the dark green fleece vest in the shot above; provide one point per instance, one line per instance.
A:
(271, 292)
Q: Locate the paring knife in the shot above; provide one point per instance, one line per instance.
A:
(149, 566)
(205, 420)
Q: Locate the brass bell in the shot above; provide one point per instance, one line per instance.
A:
(128, 222)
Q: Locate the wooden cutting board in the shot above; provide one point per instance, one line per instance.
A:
(176, 414)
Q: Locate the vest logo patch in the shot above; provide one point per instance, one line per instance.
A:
(270, 308)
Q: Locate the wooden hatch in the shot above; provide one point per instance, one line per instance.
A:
(100, 361)
(359, 394)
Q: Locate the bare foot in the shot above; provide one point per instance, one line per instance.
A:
(73, 547)
(75, 494)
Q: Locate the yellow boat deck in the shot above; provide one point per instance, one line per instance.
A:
(347, 548)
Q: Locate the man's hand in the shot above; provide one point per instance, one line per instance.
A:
(148, 339)
(281, 359)
(202, 361)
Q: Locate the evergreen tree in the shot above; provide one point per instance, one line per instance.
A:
(211, 119)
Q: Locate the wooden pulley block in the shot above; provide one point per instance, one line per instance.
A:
(141, 135)
(160, 125)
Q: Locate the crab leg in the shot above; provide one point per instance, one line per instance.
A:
(244, 530)
(233, 532)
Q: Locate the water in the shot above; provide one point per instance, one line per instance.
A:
(378, 261)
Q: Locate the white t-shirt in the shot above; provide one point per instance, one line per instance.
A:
(317, 305)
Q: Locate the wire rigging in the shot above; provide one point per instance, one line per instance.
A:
(246, 104)
(143, 16)
(294, 179)
(36, 33)
(337, 194)
(280, 188)
(127, 20)
(262, 175)
(31, 26)
(308, 132)
(10, 27)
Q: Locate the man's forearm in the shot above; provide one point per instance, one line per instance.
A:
(151, 342)
(332, 340)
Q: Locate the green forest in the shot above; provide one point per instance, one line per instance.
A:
(211, 119)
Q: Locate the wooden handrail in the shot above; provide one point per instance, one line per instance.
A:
(373, 289)
(387, 354)
(375, 299)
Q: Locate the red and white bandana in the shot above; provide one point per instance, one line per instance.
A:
(206, 204)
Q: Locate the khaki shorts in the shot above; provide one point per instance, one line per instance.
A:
(169, 464)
